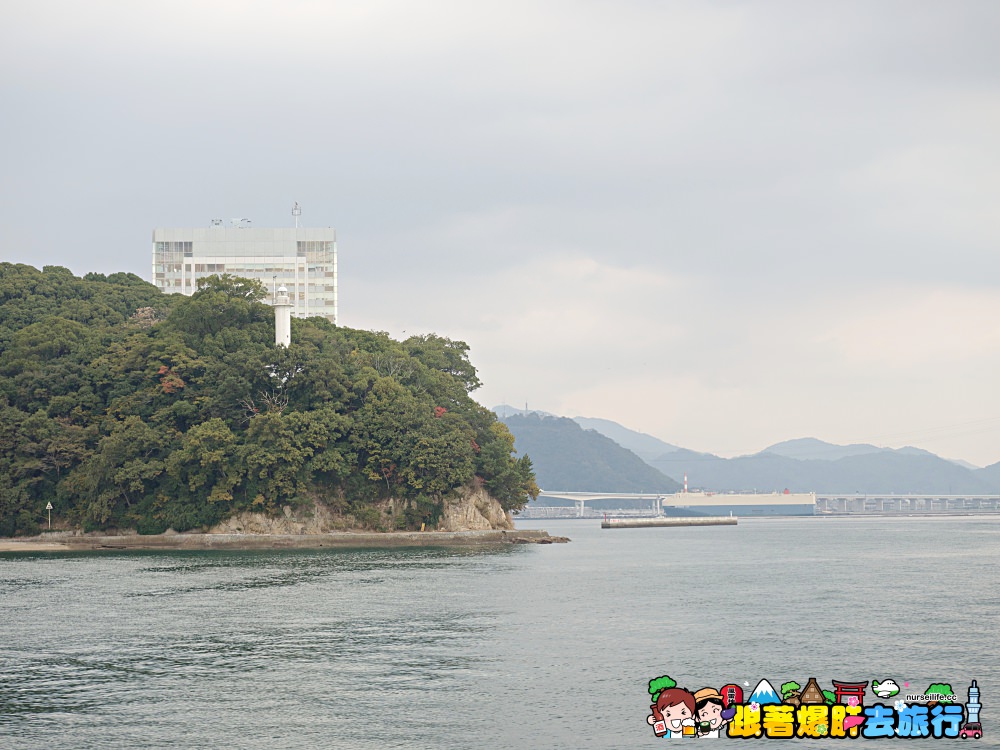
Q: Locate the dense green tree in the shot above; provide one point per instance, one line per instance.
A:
(119, 474)
(788, 688)
(125, 407)
(444, 355)
(511, 481)
(207, 463)
(222, 310)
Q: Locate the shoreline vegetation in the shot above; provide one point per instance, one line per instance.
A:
(124, 409)
(69, 542)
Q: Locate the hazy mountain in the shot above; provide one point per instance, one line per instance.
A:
(990, 475)
(911, 451)
(903, 471)
(800, 465)
(921, 452)
(882, 471)
(567, 457)
(963, 464)
(812, 449)
(643, 445)
(764, 472)
(506, 410)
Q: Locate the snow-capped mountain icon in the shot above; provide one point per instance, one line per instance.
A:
(764, 694)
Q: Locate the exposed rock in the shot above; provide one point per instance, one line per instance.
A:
(474, 510)
(315, 519)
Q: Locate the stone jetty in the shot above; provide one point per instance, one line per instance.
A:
(641, 523)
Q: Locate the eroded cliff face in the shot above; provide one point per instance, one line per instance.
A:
(473, 510)
(315, 520)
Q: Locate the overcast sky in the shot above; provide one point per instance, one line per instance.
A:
(722, 223)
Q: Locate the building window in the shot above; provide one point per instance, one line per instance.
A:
(315, 251)
(175, 247)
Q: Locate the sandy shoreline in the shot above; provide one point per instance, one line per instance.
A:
(10, 545)
(343, 540)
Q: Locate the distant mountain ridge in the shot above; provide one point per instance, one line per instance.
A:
(800, 465)
(805, 449)
(568, 458)
(883, 472)
(643, 445)
(506, 410)
(811, 448)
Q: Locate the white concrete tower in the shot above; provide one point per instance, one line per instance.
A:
(282, 318)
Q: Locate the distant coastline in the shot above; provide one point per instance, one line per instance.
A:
(335, 540)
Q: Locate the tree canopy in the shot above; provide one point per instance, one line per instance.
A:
(127, 408)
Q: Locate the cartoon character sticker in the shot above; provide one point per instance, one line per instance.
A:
(711, 712)
(673, 710)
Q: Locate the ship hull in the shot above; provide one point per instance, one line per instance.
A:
(741, 510)
(740, 505)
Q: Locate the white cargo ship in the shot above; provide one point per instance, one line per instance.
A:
(744, 505)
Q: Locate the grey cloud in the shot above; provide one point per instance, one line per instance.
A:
(764, 151)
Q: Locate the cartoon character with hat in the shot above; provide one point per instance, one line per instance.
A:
(711, 713)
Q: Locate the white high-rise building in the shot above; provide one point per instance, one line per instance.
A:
(304, 261)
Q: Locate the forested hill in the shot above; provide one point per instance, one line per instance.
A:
(569, 458)
(126, 408)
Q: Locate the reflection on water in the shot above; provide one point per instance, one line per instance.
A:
(525, 646)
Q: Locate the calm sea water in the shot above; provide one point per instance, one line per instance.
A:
(517, 647)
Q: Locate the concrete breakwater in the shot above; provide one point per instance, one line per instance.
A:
(340, 540)
(638, 523)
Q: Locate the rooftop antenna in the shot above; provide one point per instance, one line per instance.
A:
(296, 212)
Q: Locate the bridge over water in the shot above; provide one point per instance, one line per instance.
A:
(636, 503)
(892, 503)
(629, 502)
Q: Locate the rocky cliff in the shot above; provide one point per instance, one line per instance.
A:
(472, 510)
